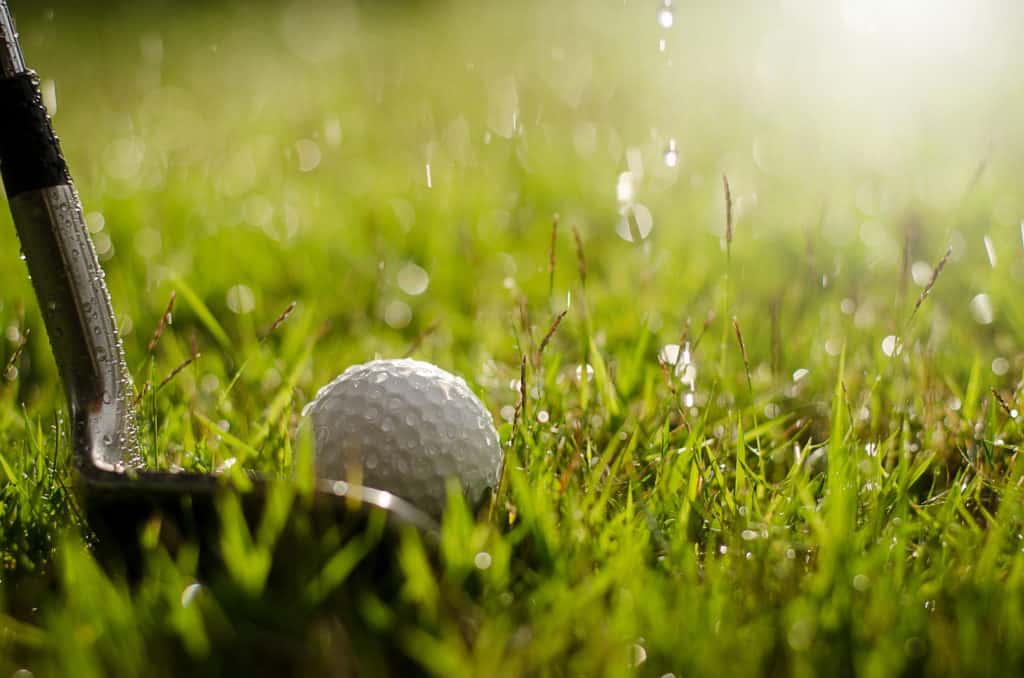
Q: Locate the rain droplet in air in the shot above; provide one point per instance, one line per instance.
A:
(990, 250)
(48, 91)
(624, 190)
(671, 154)
(666, 17)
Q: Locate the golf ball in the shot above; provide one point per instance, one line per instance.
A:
(405, 426)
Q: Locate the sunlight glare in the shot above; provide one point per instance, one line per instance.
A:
(912, 25)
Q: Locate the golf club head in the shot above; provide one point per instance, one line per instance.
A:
(118, 494)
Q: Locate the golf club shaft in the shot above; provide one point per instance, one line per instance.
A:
(117, 494)
(12, 61)
(66, 275)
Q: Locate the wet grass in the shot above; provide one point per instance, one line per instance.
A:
(777, 436)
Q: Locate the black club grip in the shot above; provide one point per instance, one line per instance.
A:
(30, 155)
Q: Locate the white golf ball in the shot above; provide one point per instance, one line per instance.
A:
(407, 427)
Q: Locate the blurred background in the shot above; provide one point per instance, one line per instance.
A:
(394, 164)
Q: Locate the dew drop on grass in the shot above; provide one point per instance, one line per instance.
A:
(921, 272)
(332, 132)
(891, 345)
(503, 107)
(397, 314)
(543, 416)
(981, 309)
(635, 223)
(309, 154)
(1000, 366)
(189, 593)
(240, 299)
(413, 280)
(482, 560)
(800, 374)
(638, 655)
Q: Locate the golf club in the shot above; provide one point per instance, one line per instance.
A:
(117, 493)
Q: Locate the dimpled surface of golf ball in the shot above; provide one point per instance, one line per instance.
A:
(407, 426)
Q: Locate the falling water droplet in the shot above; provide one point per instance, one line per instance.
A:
(624, 190)
(671, 154)
(990, 250)
(666, 17)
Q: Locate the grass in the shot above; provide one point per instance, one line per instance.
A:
(822, 476)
